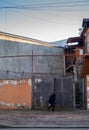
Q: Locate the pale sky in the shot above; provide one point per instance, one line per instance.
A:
(46, 20)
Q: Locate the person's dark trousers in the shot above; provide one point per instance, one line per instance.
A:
(53, 107)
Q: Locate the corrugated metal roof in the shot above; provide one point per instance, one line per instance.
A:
(60, 43)
(75, 39)
(12, 37)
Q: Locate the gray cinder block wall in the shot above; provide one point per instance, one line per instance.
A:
(63, 87)
(41, 63)
(22, 67)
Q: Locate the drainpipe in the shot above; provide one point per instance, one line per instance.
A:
(62, 90)
(64, 64)
(54, 89)
(74, 95)
(32, 79)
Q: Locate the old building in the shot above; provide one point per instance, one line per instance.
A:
(26, 63)
(85, 67)
(81, 52)
(73, 64)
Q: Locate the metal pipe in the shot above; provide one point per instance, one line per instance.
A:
(38, 55)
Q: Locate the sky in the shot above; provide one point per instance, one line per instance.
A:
(46, 20)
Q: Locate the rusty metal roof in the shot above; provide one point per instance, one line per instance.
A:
(75, 39)
(85, 69)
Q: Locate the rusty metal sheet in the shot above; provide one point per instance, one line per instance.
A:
(85, 69)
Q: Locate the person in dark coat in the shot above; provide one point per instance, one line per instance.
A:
(51, 101)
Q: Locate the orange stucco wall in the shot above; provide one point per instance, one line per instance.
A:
(15, 93)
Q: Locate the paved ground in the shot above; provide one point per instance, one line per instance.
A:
(44, 129)
(44, 119)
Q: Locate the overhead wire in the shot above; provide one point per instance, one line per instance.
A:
(18, 6)
(35, 8)
(70, 2)
(25, 14)
(33, 17)
(45, 5)
(14, 8)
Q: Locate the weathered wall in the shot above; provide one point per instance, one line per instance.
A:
(65, 93)
(63, 86)
(15, 94)
(21, 68)
(41, 90)
(25, 65)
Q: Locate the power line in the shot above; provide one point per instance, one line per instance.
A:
(19, 12)
(45, 5)
(37, 8)
(56, 3)
(60, 8)
(17, 6)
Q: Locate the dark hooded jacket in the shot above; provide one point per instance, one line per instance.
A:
(52, 99)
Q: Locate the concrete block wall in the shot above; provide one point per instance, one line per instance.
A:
(63, 87)
(16, 68)
(23, 65)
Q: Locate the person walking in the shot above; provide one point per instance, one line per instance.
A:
(51, 101)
